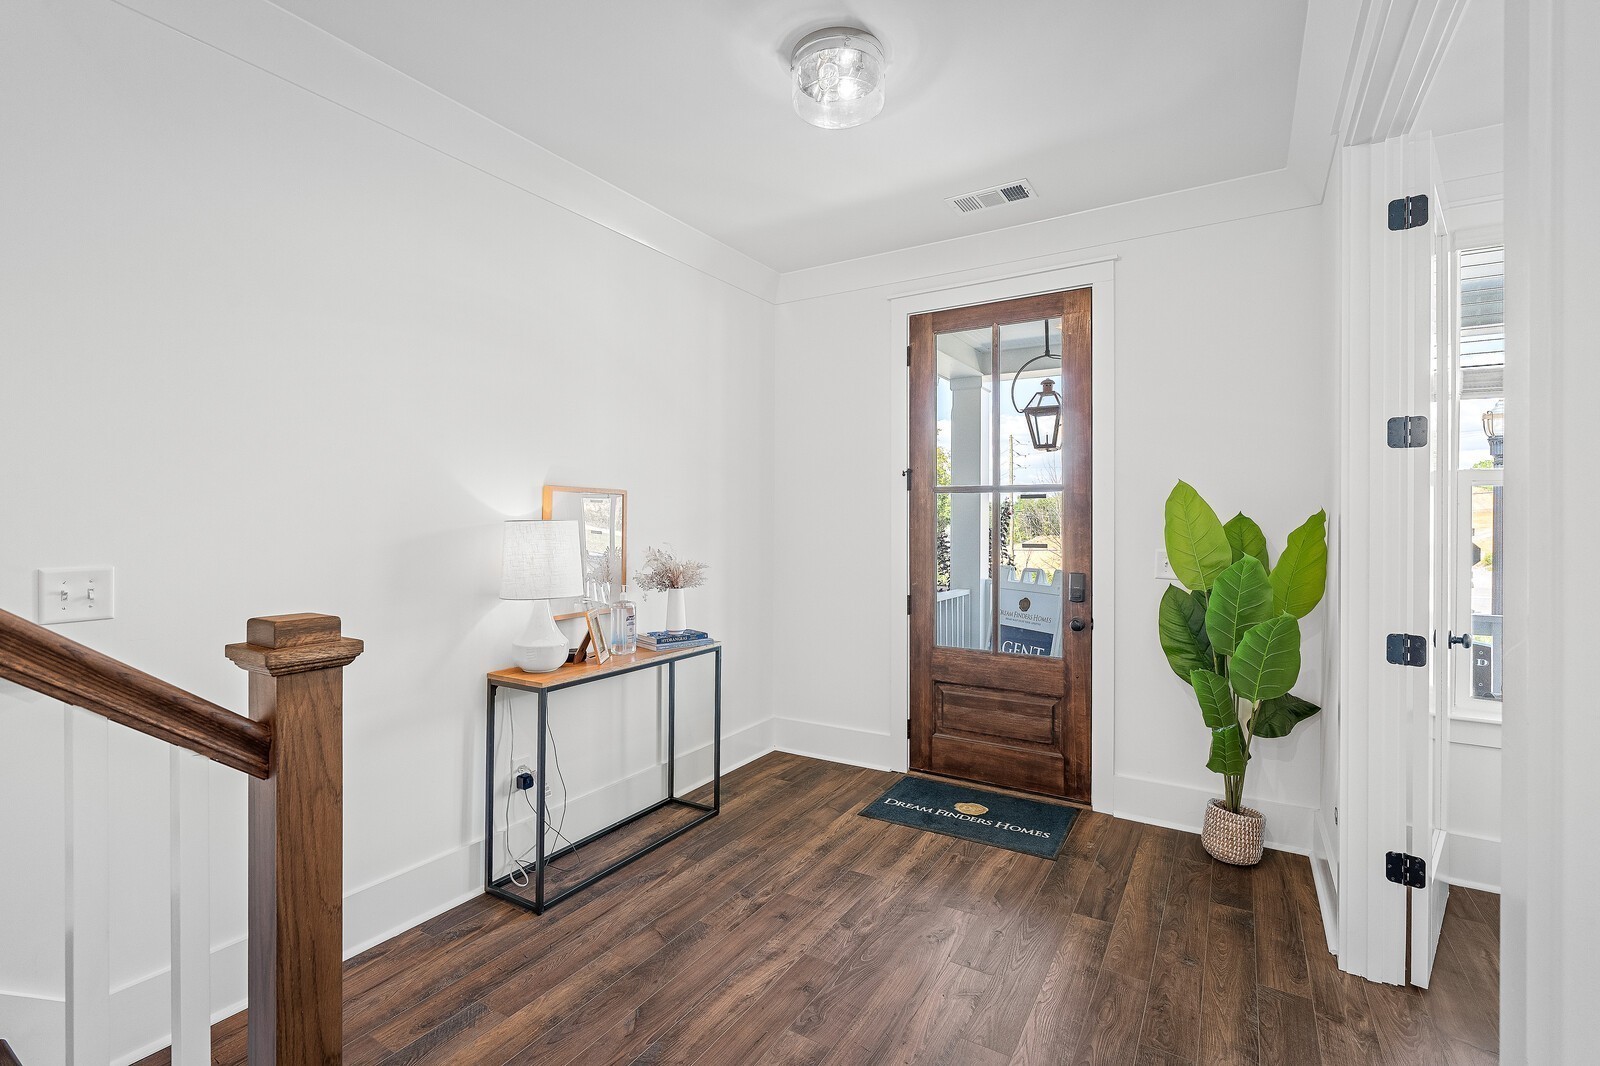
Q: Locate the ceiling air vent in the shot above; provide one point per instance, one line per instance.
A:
(998, 196)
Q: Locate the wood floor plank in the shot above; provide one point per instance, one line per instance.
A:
(1228, 994)
(1060, 1012)
(1172, 1015)
(1115, 1012)
(788, 931)
(1137, 925)
(1112, 859)
(1280, 948)
(1288, 1028)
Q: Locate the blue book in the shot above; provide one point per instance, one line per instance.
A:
(668, 636)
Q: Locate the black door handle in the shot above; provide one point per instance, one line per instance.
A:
(1464, 640)
(1077, 625)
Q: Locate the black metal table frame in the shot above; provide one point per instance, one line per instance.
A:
(539, 904)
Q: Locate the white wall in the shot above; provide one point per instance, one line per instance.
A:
(264, 353)
(1550, 928)
(1224, 373)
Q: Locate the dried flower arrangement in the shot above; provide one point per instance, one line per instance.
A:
(664, 571)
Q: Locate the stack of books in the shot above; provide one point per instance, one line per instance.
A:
(673, 640)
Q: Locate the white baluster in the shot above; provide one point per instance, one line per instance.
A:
(88, 898)
(191, 909)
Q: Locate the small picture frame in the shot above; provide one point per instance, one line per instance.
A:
(598, 638)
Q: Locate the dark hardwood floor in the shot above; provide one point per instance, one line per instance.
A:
(790, 932)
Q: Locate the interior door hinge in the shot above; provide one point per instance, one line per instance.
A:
(1408, 431)
(1408, 212)
(1405, 869)
(1408, 649)
(908, 603)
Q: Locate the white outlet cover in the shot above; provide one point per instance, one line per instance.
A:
(74, 594)
(1164, 568)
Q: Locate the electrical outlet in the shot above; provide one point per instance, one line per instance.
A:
(1164, 568)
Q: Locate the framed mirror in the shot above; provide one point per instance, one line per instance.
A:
(602, 517)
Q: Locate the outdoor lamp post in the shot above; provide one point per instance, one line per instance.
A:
(1494, 427)
(1044, 418)
(1043, 412)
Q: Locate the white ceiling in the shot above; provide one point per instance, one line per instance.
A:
(1468, 92)
(686, 105)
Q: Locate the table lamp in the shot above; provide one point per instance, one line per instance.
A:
(541, 562)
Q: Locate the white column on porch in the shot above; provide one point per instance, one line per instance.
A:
(969, 550)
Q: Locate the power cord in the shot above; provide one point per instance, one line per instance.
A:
(519, 876)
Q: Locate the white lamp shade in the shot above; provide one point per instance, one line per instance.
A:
(542, 561)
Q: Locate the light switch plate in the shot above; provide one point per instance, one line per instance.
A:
(1164, 568)
(74, 594)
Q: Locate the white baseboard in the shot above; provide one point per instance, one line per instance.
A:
(1472, 862)
(841, 744)
(373, 913)
(1142, 799)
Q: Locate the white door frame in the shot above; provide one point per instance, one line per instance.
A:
(966, 290)
(1382, 515)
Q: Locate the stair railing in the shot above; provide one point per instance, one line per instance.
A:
(291, 748)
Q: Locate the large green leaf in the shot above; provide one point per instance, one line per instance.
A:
(1246, 538)
(1182, 622)
(1216, 699)
(1302, 570)
(1227, 751)
(1241, 597)
(1197, 547)
(1277, 716)
(1268, 660)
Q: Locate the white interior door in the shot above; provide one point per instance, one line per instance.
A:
(1429, 321)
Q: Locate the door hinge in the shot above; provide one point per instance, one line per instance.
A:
(1405, 869)
(907, 474)
(908, 603)
(1408, 649)
(1408, 431)
(1408, 212)
(908, 729)
(908, 355)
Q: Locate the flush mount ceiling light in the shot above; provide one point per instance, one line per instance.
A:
(838, 76)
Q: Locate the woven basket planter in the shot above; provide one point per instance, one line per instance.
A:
(1233, 838)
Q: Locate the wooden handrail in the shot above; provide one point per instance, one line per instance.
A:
(46, 662)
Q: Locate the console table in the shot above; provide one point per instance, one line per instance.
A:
(569, 676)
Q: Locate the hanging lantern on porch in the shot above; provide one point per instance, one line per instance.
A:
(1043, 412)
(1044, 418)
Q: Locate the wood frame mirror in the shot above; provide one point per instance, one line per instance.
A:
(602, 517)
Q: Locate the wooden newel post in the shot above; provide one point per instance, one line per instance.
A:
(296, 664)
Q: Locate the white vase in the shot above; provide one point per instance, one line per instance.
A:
(676, 619)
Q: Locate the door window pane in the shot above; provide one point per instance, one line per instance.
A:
(1483, 357)
(1031, 384)
(1488, 591)
(963, 411)
(963, 612)
(1032, 586)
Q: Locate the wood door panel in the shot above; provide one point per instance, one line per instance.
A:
(990, 715)
(1011, 720)
(1031, 673)
(1032, 769)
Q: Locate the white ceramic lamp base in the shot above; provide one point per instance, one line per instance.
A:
(542, 647)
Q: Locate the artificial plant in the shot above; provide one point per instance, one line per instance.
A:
(1233, 633)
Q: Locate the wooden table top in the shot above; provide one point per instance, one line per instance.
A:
(592, 670)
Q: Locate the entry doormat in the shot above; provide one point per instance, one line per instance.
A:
(1010, 822)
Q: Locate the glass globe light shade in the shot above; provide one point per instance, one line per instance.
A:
(838, 76)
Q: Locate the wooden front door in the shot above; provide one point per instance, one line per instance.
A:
(1001, 605)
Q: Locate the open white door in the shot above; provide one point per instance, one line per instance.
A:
(1430, 301)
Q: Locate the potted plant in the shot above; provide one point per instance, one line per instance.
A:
(1233, 635)
(665, 572)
